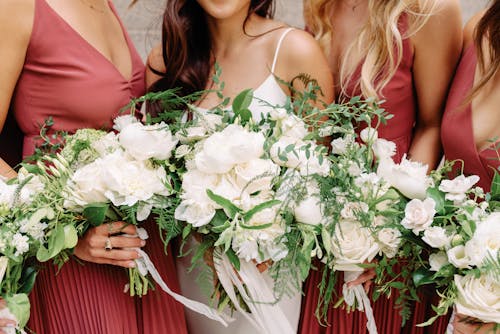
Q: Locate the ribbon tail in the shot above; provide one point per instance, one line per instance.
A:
(357, 294)
(191, 304)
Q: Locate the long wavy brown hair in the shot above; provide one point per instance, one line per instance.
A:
(487, 41)
(187, 45)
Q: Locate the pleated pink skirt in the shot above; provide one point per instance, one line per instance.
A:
(89, 298)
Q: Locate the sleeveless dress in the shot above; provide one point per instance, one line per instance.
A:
(400, 100)
(456, 130)
(271, 92)
(67, 78)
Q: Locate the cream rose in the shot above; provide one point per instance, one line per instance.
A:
(389, 240)
(436, 237)
(478, 297)
(419, 215)
(438, 260)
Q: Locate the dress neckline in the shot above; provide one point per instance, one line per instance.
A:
(94, 49)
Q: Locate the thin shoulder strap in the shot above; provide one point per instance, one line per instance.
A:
(278, 48)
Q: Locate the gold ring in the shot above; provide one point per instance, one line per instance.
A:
(107, 245)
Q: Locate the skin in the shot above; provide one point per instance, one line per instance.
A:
(246, 60)
(105, 34)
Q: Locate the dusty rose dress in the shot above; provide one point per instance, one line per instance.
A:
(456, 130)
(67, 78)
(400, 101)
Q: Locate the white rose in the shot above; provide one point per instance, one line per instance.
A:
(436, 237)
(340, 145)
(352, 209)
(419, 215)
(195, 213)
(458, 257)
(233, 145)
(352, 244)
(455, 189)
(389, 239)
(144, 142)
(369, 135)
(256, 175)
(485, 241)
(478, 297)
(438, 260)
(309, 211)
(409, 177)
(384, 149)
(121, 122)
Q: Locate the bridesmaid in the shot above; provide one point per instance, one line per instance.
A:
(252, 50)
(403, 52)
(73, 60)
(471, 118)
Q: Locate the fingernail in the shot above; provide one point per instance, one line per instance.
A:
(131, 264)
(143, 243)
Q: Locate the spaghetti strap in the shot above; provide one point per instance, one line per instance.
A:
(278, 46)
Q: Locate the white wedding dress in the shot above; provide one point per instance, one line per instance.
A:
(271, 92)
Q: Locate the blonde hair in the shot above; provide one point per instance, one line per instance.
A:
(379, 44)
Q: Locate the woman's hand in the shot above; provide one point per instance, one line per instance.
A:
(465, 325)
(5, 322)
(110, 244)
(366, 278)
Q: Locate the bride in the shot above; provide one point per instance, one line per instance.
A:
(252, 50)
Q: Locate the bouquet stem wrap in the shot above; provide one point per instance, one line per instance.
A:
(265, 315)
(191, 304)
(357, 294)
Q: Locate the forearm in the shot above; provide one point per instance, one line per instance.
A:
(6, 170)
(426, 146)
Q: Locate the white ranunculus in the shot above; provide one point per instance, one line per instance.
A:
(121, 122)
(486, 240)
(419, 215)
(409, 177)
(438, 260)
(458, 257)
(309, 211)
(369, 135)
(455, 189)
(195, 213)
(233, 145)
(478, 297)
(256, 175)
(389, 240)
(436, 237)
(352, 244)
(144, 142)
(340, 145)
(384, 149)
(352, 209)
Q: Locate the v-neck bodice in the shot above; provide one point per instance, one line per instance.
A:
(457, 134)
(68, 79)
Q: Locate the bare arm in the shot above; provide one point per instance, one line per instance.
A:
(437, 50)
(16, 21)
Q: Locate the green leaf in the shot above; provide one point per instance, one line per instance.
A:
(230, 209)
(95, 213)
(27, 280)
(422, 276)
(19, 306)
(438, 197)
(70, 237)
(186, 231)
(55, 245)
(242, 101)
(233, 258)
(221, 228)
(256, 227)
(258, 208)
(495, 186)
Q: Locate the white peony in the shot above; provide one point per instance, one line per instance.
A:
(86, 186)
(486, 240)
(419, 215)
(309, 211)
(352, 244)
(195, 213)
(455, 189)
(384, 149)
(233, 145)
(438, 260)
(478, 297)
(409, 177)
(256, 175)
(369, 135)
(458, 257)
(144, 142)
(436, 237)
(389, 240)
(195, 185)
(121, 122)
(191, 134)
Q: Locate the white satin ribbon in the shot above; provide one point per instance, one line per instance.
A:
(191, 304)
(357, 294)
(265, 315)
